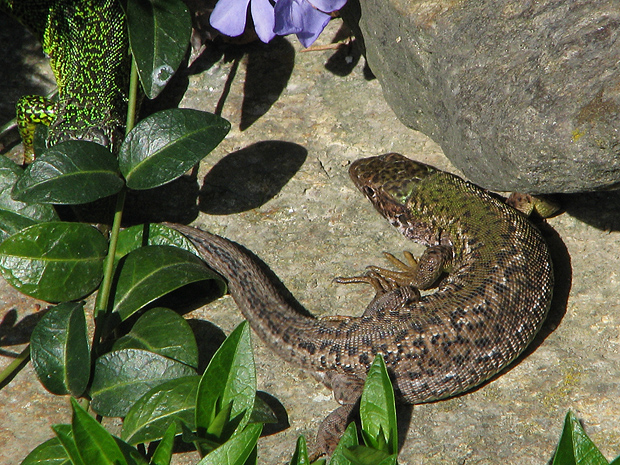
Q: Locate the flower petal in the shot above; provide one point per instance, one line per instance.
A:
(328, 5)
(314, 23)
(264, 19)
(229, 16)
(299, 17)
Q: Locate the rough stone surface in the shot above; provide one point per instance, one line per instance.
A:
(521, 95)
(293, 205)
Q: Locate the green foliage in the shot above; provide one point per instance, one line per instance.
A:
(59, 350)
(121, 377)
(170, 402)
(159, 32)
(54, 261)
(153, 271)
(227, 390)
(165, 145)
(378, 410)
(164, 332)
(72, 172)
(576, 448)
(14, 214)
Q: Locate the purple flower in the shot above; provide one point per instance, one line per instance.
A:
(304, 18)
(229, 17)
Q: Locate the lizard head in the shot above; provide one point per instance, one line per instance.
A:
(390, 178)
(391, 182)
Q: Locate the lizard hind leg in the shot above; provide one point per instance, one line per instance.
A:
(347, 391)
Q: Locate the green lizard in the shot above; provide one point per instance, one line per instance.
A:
(88, 47)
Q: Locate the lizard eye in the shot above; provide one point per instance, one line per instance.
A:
(369, 192)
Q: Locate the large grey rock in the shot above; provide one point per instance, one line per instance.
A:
(521, 95)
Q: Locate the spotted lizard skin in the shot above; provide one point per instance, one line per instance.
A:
(489, 264)
(88, 46)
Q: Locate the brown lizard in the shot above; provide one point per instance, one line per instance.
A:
(494, 277)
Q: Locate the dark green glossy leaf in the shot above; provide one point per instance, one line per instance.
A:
(300, 456)
(159, 32)
(64, 433)
(54, 261)
(378, 410)
(72, 172)
(164, 332)
(347, 441)
(134, 237)
(95, 444)
(163, 453)
(51, 452)
(59, 349)
(575, 447)
(362, 455)
(123, 376)
(16, 215)
(236, 450)
(153, 271)
(229, 379)
(163, 146)
(150, 417)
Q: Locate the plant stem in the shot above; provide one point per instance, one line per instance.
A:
(102, 303)
(14, 365)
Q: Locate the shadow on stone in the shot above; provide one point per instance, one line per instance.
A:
(249, 177)
(268, 70)
(209, 338)
(598, 209)
(13, 332)
(278, 410)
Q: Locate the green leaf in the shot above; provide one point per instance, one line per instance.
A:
(149, 418)
(71, 172)
(163, 453)
(164, 332)
(15, 215)
(236, 450)
(134, 237)
(230, 379)
(378, 410)
(159, 32)
(123, 376)
(575, 447)
(347, 441)
(362, 455)
(95, 444)
(163, 146)
(59, 349)
(300, 456)
(51, 452)
(54, 261)
(150, 272)
(64, 433)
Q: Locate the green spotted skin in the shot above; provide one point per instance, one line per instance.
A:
(87, 43)
(482, 315)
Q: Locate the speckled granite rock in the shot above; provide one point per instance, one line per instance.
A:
(521, 95)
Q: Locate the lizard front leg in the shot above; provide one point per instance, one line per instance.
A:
(30, 111)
